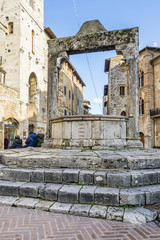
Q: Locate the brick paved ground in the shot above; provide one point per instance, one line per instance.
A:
(27, 224)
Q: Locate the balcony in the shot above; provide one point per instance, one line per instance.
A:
(155, 112)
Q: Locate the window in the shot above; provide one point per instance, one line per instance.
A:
(2, 76)
(141, 107)
(65, 90)
(141, 79)
(69, 113)
(10, 27)
(122, 91)
(72, 97)
(69, 94)
(32, 87)
(65, 113)
(33, 41)
(123, 113)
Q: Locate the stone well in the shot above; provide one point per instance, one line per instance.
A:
(94, 131)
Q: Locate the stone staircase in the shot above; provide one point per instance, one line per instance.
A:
(85, 180)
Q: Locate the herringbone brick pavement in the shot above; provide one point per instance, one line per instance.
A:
(27, 224)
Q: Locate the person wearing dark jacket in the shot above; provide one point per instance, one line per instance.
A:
(31, 140)
(17, 143)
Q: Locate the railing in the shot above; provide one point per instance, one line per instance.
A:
(154, 112)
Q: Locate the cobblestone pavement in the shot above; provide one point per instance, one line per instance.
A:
(27, 224)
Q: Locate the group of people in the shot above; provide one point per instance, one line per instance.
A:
(34, 140)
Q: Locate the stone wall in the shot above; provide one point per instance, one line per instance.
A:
(89, 131)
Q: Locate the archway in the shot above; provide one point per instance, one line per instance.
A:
(10, 131)
(93, 37)
(142, 137)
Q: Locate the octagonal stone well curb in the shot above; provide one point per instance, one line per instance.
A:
(136, 215)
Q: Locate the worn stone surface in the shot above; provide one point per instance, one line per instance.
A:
(51, 192)
(70, 175)
(133, 216)
(61, 207)
(118, 179)
(37, 176)
(100, 178)
(107, 196)
(152, 194)
(115, 213)
(10, 188)
(27, 202)
(144, 177)
(53, 176)
(8, 201)
(86, 177)
(87, 194)
(30, 189)
(97, 211)
(80, 209)
(132, 197)
(69, 194)
(149, 214)
(44, 205)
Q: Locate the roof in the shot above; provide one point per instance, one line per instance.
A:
(49, 33)
(153, 59)
(150, 48)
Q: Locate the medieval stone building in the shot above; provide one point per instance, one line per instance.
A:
(149, 93)
(24, 69)
(116, 92)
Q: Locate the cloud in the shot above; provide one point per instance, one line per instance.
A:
(155, 44)
(97, 100)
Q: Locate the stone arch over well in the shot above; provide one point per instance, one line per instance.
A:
(93, 37)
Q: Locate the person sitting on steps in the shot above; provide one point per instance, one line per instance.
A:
(31, 140)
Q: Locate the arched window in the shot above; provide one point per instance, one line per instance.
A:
(123, 113)
(33, 41)
(32, 87)
(141, 106)
(122, 91)
(31, 127)
(2, 76)
(10, 27)
(141, 79)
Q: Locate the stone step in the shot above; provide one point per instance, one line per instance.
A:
(84, 194)
(114, 179)
(95, 160)
(136, 215)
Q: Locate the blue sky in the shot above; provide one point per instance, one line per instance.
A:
(61, 17)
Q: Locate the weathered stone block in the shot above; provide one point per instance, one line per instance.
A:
(114, 161)
(44, 205)
(69, 194)
(10, 188)
(37, 176)
(144, 177)
(70, 175)
(107, 196)
(20, 175)
(53, 176)
(132, 216)
(98, 211)
(86, 177)
(152, 194)
(87, 194)
(51, 192)
(61, 207)
(80, 210)
(8, 201)
(132, 197)
(149, 214)
(5, 174)
(115, 213)
(100, 178)
(31, 189)
(27, 202)
(118, 179)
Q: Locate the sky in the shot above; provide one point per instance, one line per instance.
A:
(65, 16)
